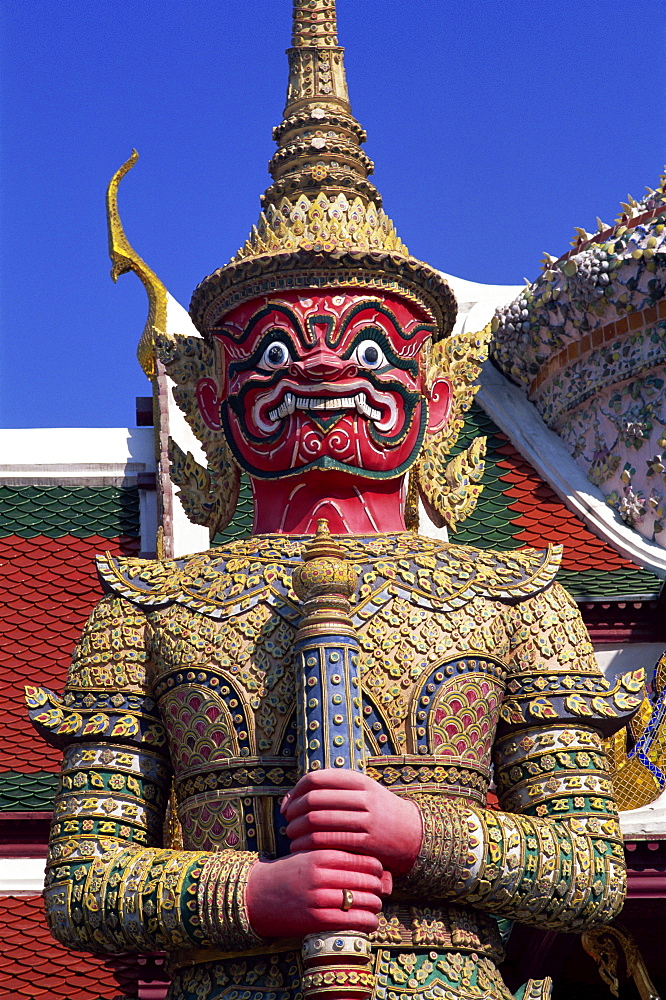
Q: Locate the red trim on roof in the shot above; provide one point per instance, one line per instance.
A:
(48, 587)
(541, 517)
(33, 966)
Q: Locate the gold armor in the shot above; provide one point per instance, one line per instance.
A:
(470, 660)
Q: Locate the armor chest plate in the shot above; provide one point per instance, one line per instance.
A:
(431, 697)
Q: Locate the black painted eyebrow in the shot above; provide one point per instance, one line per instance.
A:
(385, 311)
(380, 338)
(275, 333)
(266, 310)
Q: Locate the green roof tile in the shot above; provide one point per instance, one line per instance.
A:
(490, 524)
(241, 526)
(600, 584)
(81, 511)
(27, 792)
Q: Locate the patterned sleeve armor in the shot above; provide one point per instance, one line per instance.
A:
(553, 856)
(110, 886)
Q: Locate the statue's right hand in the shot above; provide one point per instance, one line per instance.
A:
(303, 893)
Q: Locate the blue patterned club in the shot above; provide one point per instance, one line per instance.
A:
(331, 736)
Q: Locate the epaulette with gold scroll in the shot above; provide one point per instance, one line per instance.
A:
(421, 570)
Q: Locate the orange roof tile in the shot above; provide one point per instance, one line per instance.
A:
(542, 518)
(48, 587)
(33, 966)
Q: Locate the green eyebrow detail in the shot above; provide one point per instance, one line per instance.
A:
(385, 311)
(380, 338)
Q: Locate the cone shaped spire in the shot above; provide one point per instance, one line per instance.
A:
(322, 222)
(319, 140)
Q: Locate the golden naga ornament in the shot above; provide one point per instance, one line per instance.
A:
(209, 495)
(614, 947)
(124, 259)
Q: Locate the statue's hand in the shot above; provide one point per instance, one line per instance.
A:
(347, 811)
(303, 893)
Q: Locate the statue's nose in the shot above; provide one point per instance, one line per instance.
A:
(322, 366)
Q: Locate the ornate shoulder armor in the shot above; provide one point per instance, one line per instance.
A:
(149, 582)
(107, 697)
(554, 676)
(419, 569)
(504, 576)
(215, 583)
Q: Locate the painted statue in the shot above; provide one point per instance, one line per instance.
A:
(326, 370)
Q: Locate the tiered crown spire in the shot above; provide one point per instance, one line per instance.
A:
(322, 222)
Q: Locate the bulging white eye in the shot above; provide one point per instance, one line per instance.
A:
(276, 355)
(369, 354)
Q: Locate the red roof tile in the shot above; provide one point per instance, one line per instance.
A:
(542, 518)
(48, 587)
(33, 966)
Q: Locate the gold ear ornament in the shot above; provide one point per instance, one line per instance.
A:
(209, 496)
(450, 488)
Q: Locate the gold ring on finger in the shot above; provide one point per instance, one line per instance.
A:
(347, 899)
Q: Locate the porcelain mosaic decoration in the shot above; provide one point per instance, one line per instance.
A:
(587, 341)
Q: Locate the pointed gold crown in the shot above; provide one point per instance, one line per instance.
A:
(322, 221)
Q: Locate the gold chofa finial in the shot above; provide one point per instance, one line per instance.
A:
(124, 258)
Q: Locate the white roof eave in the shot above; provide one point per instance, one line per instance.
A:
(520, 420)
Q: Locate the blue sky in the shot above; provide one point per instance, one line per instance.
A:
(496, 126)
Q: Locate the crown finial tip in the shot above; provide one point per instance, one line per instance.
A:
(314, 23)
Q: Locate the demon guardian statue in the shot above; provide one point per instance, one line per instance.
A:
(328, 726)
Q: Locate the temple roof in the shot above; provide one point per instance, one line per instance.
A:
(49, 537)
(33, 964)
(518, 508)
(586, 342)
(65, 496)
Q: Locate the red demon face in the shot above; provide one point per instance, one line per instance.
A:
(323, 380)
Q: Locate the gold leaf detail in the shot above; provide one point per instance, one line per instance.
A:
(124, 258)
(451, 489)
(333, 222)
(209, 496)
(196, 489)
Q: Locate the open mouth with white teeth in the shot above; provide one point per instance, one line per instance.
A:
(360, 425)
(356, 398)
(319, 404)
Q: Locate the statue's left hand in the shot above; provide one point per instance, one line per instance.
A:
(347, 811)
